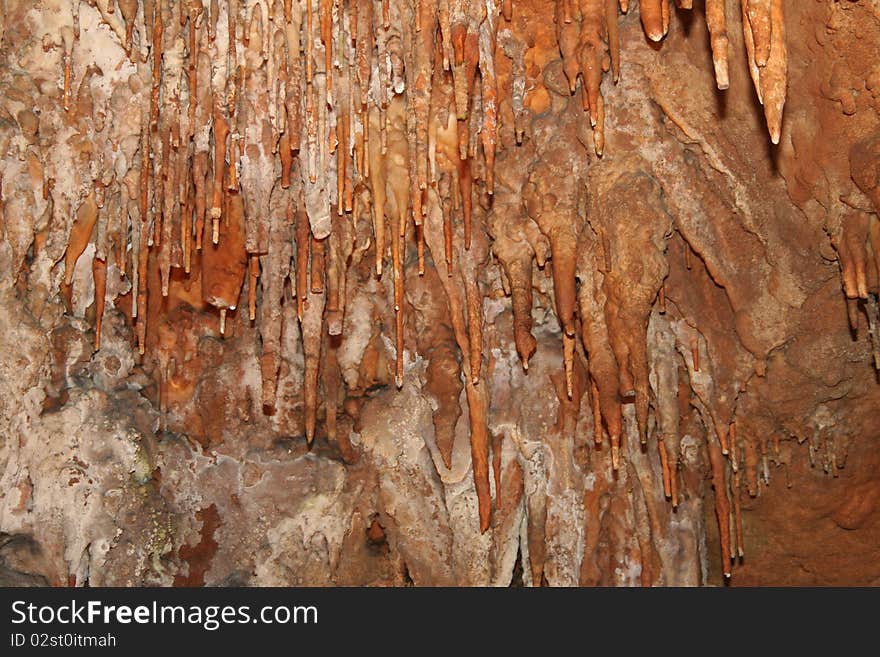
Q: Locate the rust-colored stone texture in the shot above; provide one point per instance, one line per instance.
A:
(447, 292)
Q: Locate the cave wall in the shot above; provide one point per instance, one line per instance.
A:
(464, 293)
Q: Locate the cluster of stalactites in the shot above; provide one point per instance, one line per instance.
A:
(589, 41)
(857, 239)
(214, 144)
(268, 128)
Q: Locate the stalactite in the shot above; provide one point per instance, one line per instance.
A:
(507, 10)
(474, 305)
(458, 29)
(489, 92)
(303, 236)
(774, 76)
(444, 384)
(592, 49)
(655, 18)
(751, 464)
(339, 251)
(157, 29)
(258, 163)
(99, 273)
(857, 241)
(722, 503)
(398, 234)
(465, 72)
(851, 249)
(327, 39)
(444, 18)
(253, 278)
(311, 326)
(221, 131)
(379, 194)
(717, 23)
(276, 266)
(555, 217)
(419, 86)
(80, 235)
(316, 272)
(516, 52)
(761, 27)
(594, 334)
(398, 305)
(129, 10)
(139, 310)
(364, 45)
(518, 267)
(567, 36)
(665, 386)
(331, 382)
(764, 34)
(465, 191)
(613, 37)
(293, 60)
(309, 36)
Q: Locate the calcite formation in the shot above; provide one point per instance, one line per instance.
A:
(439, 291)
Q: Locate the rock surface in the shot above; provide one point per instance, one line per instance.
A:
(466, 292)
